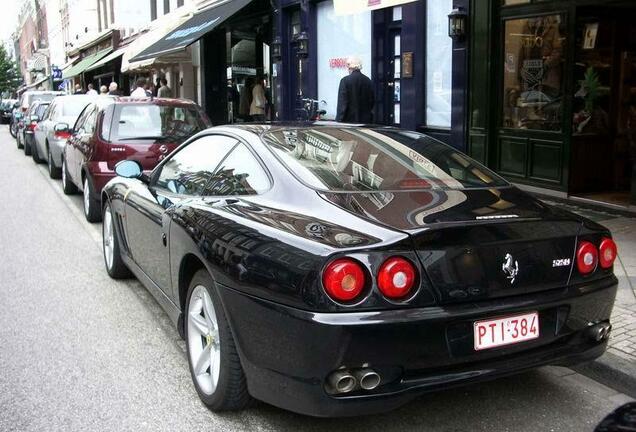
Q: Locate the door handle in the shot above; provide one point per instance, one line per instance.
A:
(164, 239)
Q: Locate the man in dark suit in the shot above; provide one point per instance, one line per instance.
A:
(355, 95)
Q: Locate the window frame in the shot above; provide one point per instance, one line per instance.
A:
(154, 175)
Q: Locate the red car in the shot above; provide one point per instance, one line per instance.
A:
(112, 129)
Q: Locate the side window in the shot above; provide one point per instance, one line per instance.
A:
(89, 124)
(189, 170)
(239, 174)
(82, 118)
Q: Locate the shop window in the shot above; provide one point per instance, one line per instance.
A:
(295, 23)
(397, 13)
(333, 29)
(439, 64)
(533, 73)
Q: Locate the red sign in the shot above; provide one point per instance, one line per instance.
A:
(338, 63)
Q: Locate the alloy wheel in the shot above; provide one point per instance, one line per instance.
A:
(108, 238)
(204, 344)
(49, 157)
(64, 179)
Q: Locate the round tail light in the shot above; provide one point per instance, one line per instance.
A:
(607, 253)
(586, 257)
(343, 279)
(396, 278)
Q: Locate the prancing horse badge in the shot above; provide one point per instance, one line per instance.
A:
(510, 268)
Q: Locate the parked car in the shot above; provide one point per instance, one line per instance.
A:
(336, 270)
(49, 142)
(28, 97)
(111, 129)
(16, 115)
(6, 110)
(28, 124)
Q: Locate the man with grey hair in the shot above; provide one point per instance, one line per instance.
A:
(112, 89)
(356, 95)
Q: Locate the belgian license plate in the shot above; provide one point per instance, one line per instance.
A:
(506, 331)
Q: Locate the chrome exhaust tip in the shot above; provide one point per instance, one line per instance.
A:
(341, 381)
(599, 332)
(368, 378)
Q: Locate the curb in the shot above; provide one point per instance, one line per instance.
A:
(612, 371)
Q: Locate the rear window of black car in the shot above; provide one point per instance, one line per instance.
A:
(367, 159)
(155, 122)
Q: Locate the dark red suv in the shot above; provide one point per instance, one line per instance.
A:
(112, 129)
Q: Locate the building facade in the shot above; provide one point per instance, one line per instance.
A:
(555, 106)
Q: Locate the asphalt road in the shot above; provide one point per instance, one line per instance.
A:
(79, 351)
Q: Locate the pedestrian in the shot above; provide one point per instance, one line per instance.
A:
(140, 90)
(103, 90)
(259, 101)
(91, 91)
(245, 99)
(155, 89)
(355, 95)
(164, 91)
(78, 89)
(112, 89)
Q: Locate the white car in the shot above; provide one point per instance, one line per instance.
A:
(52, 131)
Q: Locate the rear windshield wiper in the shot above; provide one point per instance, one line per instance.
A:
(157, 137)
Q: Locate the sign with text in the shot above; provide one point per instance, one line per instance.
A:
(347, 7)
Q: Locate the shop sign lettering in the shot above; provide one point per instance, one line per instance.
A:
(338, 63)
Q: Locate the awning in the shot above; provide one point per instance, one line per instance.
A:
(192, 30)
(84, 63)
(37, 83)
(159, 28)
(112, 56)
(347, 7)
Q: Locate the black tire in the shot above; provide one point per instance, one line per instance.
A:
(231, 390)
(117, 268)
(54, 172)
(92, 206)
(13, 129)
(36, 156)
(67, 184)
(27, 147)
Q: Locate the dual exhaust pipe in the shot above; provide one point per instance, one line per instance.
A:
(599, 332)
(346, 381)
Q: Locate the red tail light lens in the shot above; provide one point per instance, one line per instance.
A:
(586, 257)
(608, 252)
(343, 279)
(396, 278)
(62, 135)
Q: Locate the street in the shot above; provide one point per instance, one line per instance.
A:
(80, 351)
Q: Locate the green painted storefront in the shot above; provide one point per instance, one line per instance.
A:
(552, 88)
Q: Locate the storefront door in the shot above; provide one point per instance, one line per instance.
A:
(531, 131)
(604, 105)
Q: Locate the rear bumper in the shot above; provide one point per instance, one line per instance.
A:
(287, 353)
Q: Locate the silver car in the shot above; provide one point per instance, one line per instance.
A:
(52, 131)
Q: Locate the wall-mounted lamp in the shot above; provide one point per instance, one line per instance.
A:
(277, 49)
(457, 24)
(302, 45)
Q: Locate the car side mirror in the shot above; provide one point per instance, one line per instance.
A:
(130, 169)
(62, 127)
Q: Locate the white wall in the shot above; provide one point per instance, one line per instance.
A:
(83, 24)
(340, 37)
(131, 14)
(57, 52)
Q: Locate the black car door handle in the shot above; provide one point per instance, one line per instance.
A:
(164, 239)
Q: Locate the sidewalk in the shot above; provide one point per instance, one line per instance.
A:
(618, 365)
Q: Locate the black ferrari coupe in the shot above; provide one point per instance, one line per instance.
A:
(338, 270)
